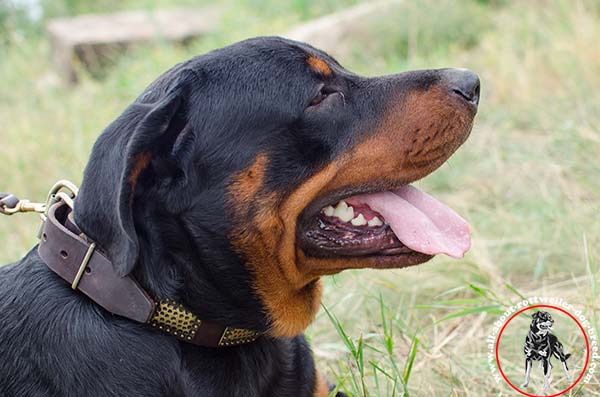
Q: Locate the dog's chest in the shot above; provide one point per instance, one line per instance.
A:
(273, 369)
(538, 345)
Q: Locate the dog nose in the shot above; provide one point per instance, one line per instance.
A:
(463, 83)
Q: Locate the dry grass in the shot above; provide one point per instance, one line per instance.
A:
(528, 180)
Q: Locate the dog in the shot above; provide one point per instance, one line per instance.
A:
(219, 198)
(541, 345)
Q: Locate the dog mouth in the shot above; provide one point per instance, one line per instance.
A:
(403, 221)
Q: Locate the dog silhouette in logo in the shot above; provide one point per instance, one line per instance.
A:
(541, 345)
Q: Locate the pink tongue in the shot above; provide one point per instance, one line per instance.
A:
(421, 222)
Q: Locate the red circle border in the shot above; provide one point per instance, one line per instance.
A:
(587, 349)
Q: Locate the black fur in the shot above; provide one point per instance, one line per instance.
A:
(200, 123)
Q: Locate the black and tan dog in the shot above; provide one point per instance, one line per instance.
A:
(230, 186)
(541, 345)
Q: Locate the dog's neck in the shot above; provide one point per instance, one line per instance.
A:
(173, 264)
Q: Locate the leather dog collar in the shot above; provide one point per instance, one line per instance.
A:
(70, 254)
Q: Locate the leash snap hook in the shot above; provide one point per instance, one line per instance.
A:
(10, 205)
(62, 190)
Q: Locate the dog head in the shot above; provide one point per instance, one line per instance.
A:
(249, 172)
(541, 322)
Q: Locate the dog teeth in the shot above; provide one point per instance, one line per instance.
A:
(359, 220)
(329, 210)
(375, 222)
(343, 211)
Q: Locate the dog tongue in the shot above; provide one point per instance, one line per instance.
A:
(421, 222)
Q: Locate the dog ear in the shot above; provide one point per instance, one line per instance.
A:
(145, 134)
(535, 315)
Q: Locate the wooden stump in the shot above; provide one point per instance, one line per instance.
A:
(91, 39)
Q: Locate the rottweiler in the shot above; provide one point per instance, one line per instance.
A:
(221, 195)
(541, 345)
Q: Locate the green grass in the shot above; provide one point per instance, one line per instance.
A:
(528, 179)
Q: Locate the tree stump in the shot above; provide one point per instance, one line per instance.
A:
(94, 38)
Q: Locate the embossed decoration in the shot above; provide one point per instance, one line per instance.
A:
(175, 320)
(237, 336)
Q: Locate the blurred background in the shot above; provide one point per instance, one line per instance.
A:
(528, 178)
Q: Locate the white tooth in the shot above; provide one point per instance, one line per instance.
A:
(347, 215)
(329, 210)
(375, 222)
(339, 210)
(359, 220)
(343, 211)
(341, 204)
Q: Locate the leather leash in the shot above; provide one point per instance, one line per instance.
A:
(81, 263)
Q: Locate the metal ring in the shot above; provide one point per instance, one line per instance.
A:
(55, 194)
(65, 198)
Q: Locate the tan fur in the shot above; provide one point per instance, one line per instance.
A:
(321, 386)
(319, 65)
(140, 163)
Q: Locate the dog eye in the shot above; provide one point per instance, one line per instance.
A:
(321, 96)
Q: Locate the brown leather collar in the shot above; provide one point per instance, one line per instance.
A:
(70, 254)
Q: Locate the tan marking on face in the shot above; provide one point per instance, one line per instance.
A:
(288, 298)
(319, 65)
(415, 136)
(247, 183)
(321, 386)
(140, 163)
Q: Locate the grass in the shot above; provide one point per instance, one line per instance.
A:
(528, 179)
